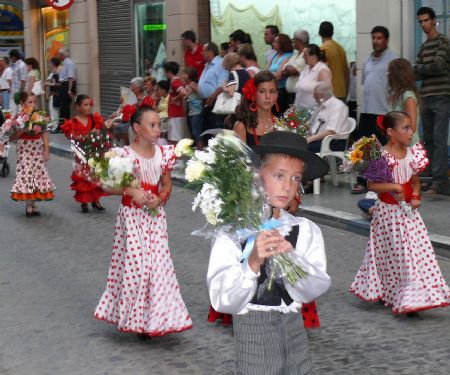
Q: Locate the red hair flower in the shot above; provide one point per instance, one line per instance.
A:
(380, 120)
(249, 90)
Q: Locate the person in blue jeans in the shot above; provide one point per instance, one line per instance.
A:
(433, 67)
(195, 105)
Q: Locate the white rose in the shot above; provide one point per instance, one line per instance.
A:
(194, 170)
(98, 169)
(91, 163)
(183, 147)
(110, 154)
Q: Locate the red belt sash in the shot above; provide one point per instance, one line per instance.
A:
(390, 199)
(127, 200)
(30, 137)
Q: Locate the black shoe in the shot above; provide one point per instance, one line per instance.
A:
(29, 211)
(143, 337)
(84, 208)
(36, 213)
(97, 206)
(413, 315)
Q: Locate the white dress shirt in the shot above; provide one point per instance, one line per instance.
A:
(232, 284)
(5, 78)
(332, 115)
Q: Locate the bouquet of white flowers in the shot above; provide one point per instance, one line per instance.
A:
(232, 198)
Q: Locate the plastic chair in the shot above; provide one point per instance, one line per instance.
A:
(325, 151)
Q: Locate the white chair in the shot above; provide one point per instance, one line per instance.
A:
(325, 151)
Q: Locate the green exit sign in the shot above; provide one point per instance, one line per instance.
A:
(156, 27)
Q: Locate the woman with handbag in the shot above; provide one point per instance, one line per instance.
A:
(34, 84)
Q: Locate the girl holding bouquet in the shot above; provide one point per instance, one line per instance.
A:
(142, 294)
(32, 182)
(400, 267)
(268, 329)
(77, 129)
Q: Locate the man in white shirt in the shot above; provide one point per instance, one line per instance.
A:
(5, 82)
(296, 63)
(270, 32)
(331, 118)
(68, 78)
(19, 77)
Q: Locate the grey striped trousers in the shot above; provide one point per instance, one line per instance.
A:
(271, 343)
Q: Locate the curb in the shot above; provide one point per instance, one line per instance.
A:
(60, 150)
(344, 220)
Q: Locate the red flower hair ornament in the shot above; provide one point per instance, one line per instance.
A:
(130, 109)
(249, 90)
(380, 120)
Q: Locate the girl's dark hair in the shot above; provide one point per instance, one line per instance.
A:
(285, 43)
(33, 62)
(23, 96)
(55, 61)
(243, 112)
(240, 36)
(79, 99)
(391, 119)
(164, 85)
(314, 50)
(401, 78)
(136, 118)
(191, 73)
(225, 46)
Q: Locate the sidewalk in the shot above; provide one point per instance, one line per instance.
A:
(335, 206)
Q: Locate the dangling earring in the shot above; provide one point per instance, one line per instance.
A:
(253, 107)
(277, 108)
(393, 142)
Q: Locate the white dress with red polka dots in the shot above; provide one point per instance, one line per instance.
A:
(400, 266)
(142, 293)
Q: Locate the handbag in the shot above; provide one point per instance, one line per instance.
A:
(226, 104)
(37, 88)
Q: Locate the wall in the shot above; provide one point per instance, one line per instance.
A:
(83, 42)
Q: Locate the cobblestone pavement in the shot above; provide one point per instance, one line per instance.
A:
(53, 269)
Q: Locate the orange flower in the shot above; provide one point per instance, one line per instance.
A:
(36, 117)
(356, 156)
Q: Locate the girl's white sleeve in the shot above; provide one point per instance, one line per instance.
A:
(231, 284)
(310, 251)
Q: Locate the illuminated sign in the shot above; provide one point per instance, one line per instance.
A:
(60, 4)
(156, 27)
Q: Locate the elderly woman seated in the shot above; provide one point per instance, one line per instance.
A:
(331, 117)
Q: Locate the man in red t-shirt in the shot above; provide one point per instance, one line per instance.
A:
(192, 52)
(177, 125)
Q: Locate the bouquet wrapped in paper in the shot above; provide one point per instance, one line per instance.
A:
(32, 124)
(232, 198)
(295, 120)
(365, 159)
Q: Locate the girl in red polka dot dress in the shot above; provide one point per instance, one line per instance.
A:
(142, 293)
(400, 267)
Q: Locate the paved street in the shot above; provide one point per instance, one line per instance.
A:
(53, 269)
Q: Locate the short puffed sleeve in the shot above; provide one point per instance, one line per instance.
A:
(168, 158)
(419, 158)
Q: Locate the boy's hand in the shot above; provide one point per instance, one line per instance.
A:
(266, 245)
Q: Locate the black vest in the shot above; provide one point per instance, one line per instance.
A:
(278, 292)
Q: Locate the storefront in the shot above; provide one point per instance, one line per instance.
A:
(11, 26)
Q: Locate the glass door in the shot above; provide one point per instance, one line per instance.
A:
(150, 29)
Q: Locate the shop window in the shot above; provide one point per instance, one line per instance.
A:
(55, 24)
(150, 24)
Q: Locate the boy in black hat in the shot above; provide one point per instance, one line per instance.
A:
(268, 329)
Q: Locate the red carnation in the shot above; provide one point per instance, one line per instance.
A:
(249, 90)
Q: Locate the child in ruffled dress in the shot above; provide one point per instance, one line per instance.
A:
(78, 128)
(142, 294)
(32, 182)
(400, 268)
(268, 330)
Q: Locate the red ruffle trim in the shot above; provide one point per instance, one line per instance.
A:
(151, 334)
(86, 191)
(406, 310)
(36, 196)
(74, 128)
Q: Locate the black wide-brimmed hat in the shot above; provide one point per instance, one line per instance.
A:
(282, 142)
